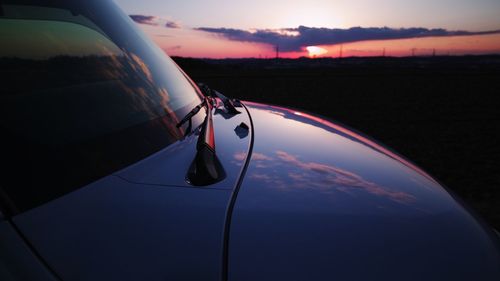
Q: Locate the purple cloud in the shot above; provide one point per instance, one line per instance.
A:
(294, 39)
(154, 21)
(143, 19)
(172, 24)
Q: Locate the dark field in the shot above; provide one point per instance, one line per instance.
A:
(442, 113)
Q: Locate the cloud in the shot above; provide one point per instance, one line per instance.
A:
(172, 24)
(176, 47)
(155, 21)
(295, 39)
(143, 19)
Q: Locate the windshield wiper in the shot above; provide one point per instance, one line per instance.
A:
(190, 116)
(206, 168)
(228, 103)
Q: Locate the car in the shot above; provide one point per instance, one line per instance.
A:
(117, 166)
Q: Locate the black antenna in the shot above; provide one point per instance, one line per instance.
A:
(277, 51)
(413, 51)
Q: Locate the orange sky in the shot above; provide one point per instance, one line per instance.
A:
(455, 45)
(176, 25)
(192, 43)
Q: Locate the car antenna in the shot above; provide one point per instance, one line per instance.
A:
(206, 168)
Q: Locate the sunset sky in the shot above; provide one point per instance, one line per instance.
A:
(234, 28)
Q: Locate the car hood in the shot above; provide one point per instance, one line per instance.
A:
(321, 202)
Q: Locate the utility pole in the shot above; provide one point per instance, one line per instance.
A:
(383, 53)
(340, 52)
(277, 51)
(434, 52)
(413, 51)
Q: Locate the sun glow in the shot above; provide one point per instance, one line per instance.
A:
(315, 51)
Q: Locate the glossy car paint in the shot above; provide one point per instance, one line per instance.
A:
(319, 202)
(145, 222)
(304, 199)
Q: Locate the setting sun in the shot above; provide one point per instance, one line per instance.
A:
(315, 51)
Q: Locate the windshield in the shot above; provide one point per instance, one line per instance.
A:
(84, 94)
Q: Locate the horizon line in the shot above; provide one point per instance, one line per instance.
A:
(340, 58)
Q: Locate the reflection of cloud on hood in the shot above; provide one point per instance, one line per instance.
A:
(240, 156)
(260, 157)
(318, 176)
(143, 19)
(294, 39)
(330, 126)
(334, 176)
(172, 24)
(255, 156)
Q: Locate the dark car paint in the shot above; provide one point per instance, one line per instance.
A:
(17, 261)
(319, 202)
(145, 222)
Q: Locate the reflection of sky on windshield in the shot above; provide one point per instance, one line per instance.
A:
(124, 85)
(78, 40)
